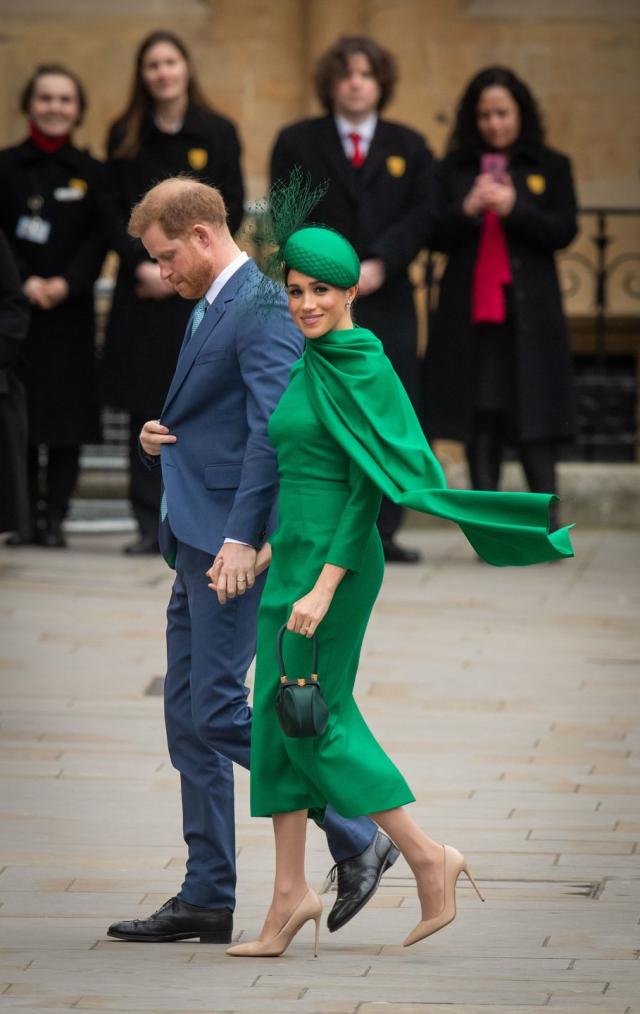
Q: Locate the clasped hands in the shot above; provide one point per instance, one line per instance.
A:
(46, 292)
(235, 569)
(490, 194)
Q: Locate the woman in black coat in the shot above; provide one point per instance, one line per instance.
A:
(14, 324)
(167, 128)
(498, 365)
(51, 212)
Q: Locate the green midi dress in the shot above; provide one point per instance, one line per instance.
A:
(345, 432)
(327, 511)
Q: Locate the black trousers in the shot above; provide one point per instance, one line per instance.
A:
(54, 486)
(144, 484)
(485, 451)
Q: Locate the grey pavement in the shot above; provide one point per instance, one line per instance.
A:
(510, 699)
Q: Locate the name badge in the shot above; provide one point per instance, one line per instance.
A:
(33, 228)
(68, 194)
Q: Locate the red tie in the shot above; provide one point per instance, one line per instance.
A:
(357, 159)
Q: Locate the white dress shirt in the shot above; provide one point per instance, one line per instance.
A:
(366, 130)
(219, 283)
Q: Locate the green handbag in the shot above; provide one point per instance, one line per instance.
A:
(301, 708)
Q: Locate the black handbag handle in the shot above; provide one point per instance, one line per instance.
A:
(283, 678)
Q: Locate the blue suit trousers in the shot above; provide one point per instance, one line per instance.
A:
(209, 650)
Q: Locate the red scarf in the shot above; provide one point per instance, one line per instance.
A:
(491, 273)
(50, 145)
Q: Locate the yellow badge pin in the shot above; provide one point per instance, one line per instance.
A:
(198, 158)
(537, 184)
(396, 165)
(80, 185)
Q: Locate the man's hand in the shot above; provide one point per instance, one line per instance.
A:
(153, 436)
(149, 283)
(372, 276)
(233, 571)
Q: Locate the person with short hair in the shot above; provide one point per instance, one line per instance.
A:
(498, 367)
(168, 127)
(52, 213)
(220, 480)
(378, 197)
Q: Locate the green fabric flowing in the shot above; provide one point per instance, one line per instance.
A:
(361, 402)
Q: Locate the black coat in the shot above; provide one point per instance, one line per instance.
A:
(382, 208)
(144, 335)
(58, 365)
(542, 221)
(14, 323)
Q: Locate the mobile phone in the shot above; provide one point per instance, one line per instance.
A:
(493, 163)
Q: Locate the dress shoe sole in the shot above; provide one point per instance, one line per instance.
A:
(220, 937)
(390, 859)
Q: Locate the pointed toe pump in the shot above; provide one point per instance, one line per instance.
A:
(309, 908)
(454, 865)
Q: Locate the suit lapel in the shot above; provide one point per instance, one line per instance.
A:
(378, 150)
(331, 147)
(192, 346)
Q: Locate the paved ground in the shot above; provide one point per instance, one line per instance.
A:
(509, 698)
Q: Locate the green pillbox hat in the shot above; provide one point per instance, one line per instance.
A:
(323, 254)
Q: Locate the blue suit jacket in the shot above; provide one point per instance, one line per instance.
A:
(220, 477)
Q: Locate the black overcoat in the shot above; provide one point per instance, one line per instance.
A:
(542, 221)
(144, 335)
(58, 365)
(14, 324)
(383, 209)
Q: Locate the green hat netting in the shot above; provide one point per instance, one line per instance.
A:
(278, 233)
(323, 254)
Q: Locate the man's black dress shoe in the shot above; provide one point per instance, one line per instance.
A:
(176, 920)
(146, 545)
(393, 553)
(358, 879)
(52, 536)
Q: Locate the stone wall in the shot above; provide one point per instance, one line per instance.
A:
(581, 57)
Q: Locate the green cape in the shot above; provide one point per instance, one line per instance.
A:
(361, 402)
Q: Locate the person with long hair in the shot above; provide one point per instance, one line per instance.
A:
(53, 217)
(345, 433)
(168, 127)
(498, 367)
(378, 197)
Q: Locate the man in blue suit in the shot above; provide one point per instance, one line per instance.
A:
(220, 483)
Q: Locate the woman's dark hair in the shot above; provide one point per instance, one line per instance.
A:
(466, 140)
(334, 64)
(61, 71)
(140, 101)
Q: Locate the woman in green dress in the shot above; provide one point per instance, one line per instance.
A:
(345, 433)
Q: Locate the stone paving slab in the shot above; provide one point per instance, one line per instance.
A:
(510, 698)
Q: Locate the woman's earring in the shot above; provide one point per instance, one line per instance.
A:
(347, 305)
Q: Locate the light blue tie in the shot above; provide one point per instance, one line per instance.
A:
(199, 311)
(163, 506)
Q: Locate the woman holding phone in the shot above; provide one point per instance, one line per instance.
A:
(498, 368)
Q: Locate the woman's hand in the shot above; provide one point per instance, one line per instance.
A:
(149, 283)
(56, 291)
(309, 611)
(501, 196)
(35, 290)
(263, 559)
(476, 200)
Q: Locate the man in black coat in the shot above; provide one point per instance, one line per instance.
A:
(378, 197)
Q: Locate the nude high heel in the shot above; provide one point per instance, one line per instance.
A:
(309, 908)
(454, 865)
